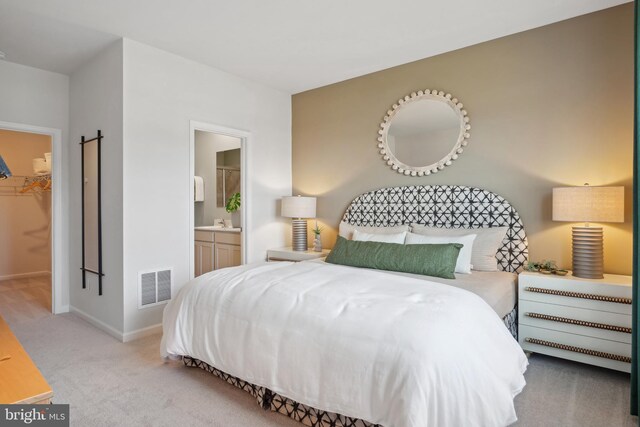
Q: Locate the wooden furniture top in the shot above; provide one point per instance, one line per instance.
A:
(20, 379)
(288, 254)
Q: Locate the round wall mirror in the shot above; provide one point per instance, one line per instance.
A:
(423, 133)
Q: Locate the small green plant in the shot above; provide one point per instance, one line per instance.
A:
(544, 265)
(233, 204)
(317, 230)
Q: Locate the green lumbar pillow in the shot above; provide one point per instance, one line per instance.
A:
(438, 260)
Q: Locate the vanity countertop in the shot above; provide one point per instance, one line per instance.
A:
(218, 228)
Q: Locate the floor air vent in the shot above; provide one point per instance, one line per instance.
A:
(154, 288)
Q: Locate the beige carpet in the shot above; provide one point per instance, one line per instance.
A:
(109, 383)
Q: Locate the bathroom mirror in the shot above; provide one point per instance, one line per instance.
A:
(91, 206)
(227, 176)
(423, 133)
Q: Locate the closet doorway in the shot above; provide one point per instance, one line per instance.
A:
(218, 198)
(25, 224)
(29, 224)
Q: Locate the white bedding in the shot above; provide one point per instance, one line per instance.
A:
(499, 289)
(388, 349)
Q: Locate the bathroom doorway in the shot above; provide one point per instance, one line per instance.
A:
(217, 179)
(218, 201)
(25, 225)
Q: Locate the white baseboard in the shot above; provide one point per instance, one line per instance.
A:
(97, 323)
(120, 336)
(143, 332)
(63, 309)
(25, 275)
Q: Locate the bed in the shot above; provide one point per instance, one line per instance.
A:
(331, 345)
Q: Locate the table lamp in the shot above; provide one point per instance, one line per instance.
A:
(588, 204)
(299, 209)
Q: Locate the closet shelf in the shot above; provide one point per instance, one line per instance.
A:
(21, 185)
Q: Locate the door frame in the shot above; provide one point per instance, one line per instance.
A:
(245, 188)
(60, 287)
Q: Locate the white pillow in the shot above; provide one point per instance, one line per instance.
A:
(346, 230)
(485, 246)
(463, 264)
(377, 237)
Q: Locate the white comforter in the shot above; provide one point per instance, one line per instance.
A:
(387, 349)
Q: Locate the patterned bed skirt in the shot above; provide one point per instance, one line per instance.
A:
(307, 415)
(267, 399)
(511, 322)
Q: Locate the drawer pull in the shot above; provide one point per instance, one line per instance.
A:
(579, 350)
(579, 322)
(595, 297)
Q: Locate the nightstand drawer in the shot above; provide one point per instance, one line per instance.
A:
(595, 351)
(586, 320)
(611, 299)
(593, 323)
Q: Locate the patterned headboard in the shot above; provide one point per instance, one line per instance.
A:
(444, 206)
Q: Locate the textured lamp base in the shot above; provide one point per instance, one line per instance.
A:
(587, 252)
(299, 234)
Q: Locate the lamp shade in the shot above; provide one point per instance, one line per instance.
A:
(588, 204)
(299, 207)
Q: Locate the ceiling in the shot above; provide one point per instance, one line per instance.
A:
(290, 45)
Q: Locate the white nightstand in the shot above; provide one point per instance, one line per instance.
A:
(288, 254)
(586, 320)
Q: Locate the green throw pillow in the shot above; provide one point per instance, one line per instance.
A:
(438, 260)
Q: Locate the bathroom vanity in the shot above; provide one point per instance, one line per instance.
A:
(216, 247)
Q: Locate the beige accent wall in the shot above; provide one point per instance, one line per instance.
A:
(549, 107)
(25, 221)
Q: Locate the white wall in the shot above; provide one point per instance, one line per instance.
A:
(40, 98)
(97, 103)
(162, 93)
(33, 96)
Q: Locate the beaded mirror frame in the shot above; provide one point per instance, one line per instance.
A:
(445, 206)
(457, 148)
